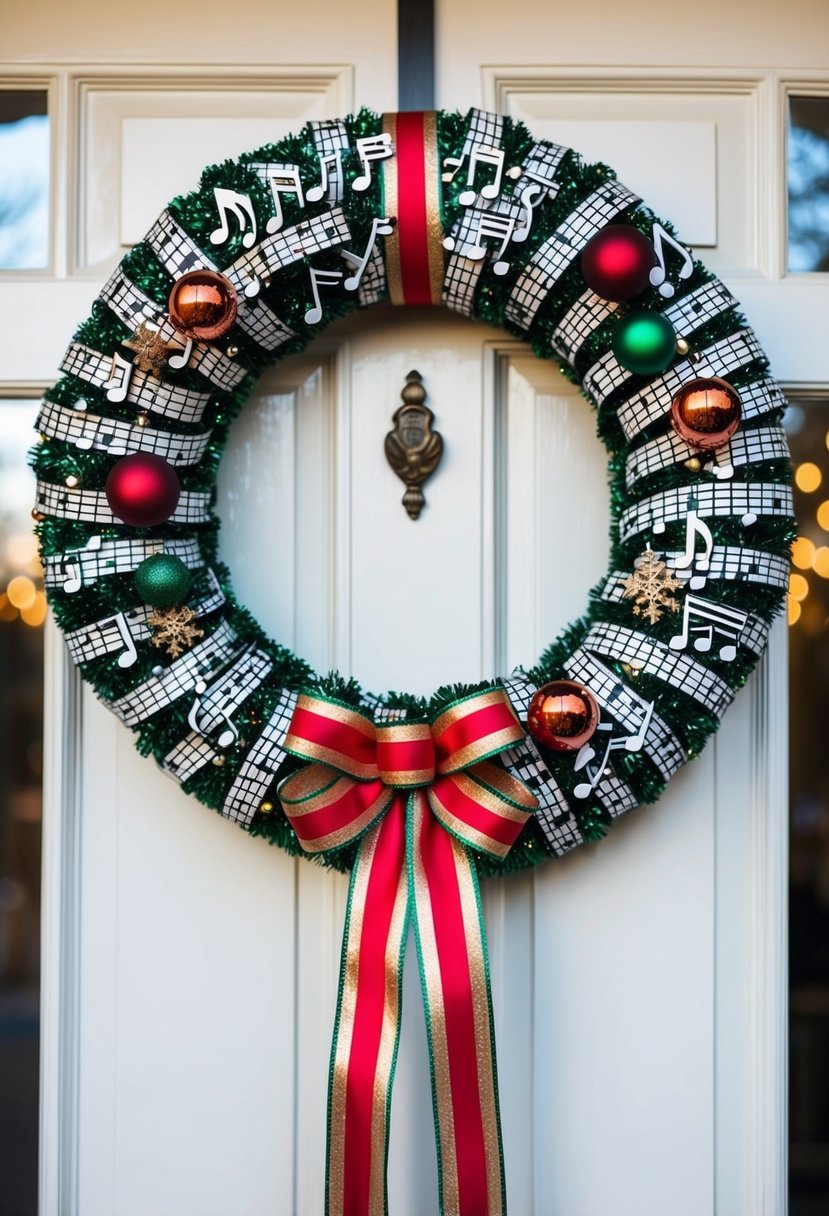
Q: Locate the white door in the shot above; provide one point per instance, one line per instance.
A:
(191, 971)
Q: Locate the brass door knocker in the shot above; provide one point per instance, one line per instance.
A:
(413, 449)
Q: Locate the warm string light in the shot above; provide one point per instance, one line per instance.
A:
(798, 587)
(803, 553)
(809, 557)
(23, 598)
(820, 561)
(808, 477)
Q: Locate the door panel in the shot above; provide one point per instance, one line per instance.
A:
(127, 122)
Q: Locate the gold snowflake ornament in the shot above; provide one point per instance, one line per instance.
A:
(150, 348)
(651, 586)
(174, 628)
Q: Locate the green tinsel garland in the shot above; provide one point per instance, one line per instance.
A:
(196, 212)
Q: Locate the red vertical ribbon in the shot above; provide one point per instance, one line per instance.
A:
(411, 179)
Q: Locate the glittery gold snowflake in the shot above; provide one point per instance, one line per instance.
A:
(150, 348)
(651, 586)
(174, 628)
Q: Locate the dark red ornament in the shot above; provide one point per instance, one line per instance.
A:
(143, 490)
(203, 305)
(563, 715)
(706, 413)
(617, 261)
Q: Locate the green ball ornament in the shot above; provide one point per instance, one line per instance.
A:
(163, 580)
(645, 343)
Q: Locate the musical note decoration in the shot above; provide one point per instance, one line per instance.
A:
(698, 563)
(230, 203)
(73, 580)
(703, 620)
(331, 168)
(379, 227)
(594, 763)
(659, 274)
(490, 225)
(173, 629)
(179, 356)
(651, 587)
(531, 197)
(487, 158)
(283, 179)
(320, 278)
(151, 349)
(228, 736)
(129, 654)
(118, 383)
(370, 149)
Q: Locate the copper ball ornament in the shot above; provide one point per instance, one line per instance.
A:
(143, 490)
(563, 715)
(616, 262)
(706, 413)
(203, 305)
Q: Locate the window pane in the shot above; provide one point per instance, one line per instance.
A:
(24, 180)
(808, 173)
(22, 608)
(808, 425)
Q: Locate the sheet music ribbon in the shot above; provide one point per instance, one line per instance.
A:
(418, 797)
(411, 193)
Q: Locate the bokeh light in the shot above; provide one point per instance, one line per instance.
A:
(21, 592)
(820, 562)
(35, 615)
(798, 587)
(803, 553)
(794, 610)
(808, 477)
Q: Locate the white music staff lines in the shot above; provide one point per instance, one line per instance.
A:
(746, 501)
(86, 431)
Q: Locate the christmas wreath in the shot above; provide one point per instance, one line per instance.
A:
(416, 797)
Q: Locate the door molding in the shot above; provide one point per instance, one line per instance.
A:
(60, 931)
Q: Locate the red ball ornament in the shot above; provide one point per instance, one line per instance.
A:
(563, 715)
(706, 413)
(143, 490)
(616, 262)
(203, 305)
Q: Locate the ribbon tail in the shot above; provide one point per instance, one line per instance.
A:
(454, 973)
(367, 1026)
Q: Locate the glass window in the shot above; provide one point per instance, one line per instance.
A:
(24, 180)
(808, 426)
(808, 177)
(22, 611)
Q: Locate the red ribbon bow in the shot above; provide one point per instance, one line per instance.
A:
(418, 797)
